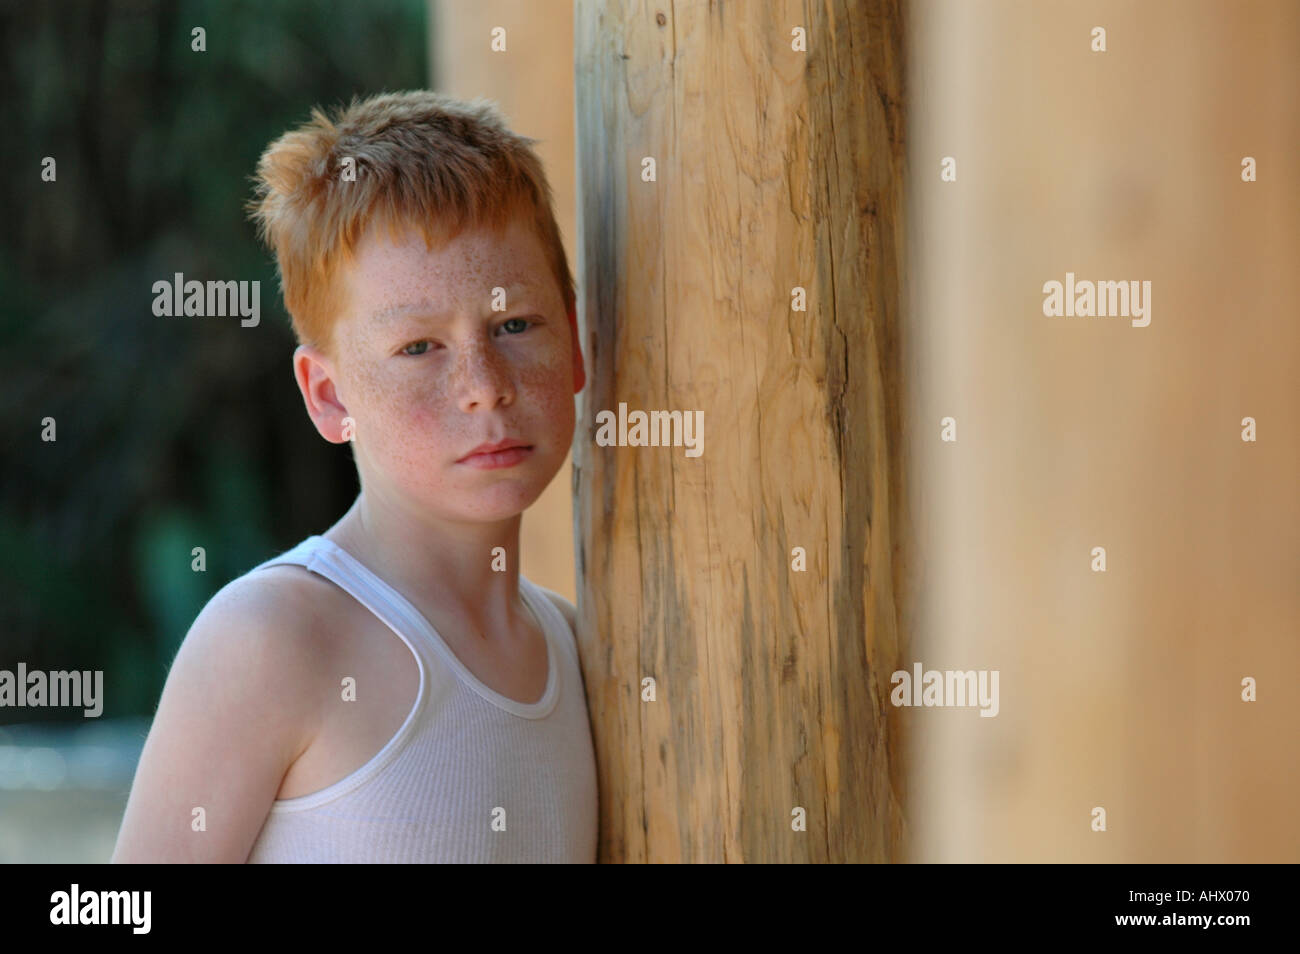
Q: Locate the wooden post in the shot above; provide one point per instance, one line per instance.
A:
(726, 176)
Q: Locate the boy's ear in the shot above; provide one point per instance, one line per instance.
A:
(579, 370)
(314, 372)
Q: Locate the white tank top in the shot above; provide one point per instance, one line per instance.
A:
(466, 762)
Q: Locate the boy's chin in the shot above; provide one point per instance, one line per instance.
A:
(490, 504)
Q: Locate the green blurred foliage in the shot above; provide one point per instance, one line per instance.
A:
(172, 433)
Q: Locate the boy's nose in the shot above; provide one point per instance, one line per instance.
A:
(483, 378)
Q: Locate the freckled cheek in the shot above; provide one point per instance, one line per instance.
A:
(426, 412)
(395, 409)
(547, 388)
(548, 369)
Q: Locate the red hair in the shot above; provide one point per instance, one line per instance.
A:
(421, 159)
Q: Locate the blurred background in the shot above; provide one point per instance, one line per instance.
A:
(1119, 689)
(172, 434)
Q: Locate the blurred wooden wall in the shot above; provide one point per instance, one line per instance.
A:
(1119, 689)
(532, 82)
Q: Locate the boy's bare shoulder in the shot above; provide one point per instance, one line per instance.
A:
(286, 592)
(279, 594)
(265, 623)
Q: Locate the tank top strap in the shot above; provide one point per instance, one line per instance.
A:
(550, 618)
(323, 556)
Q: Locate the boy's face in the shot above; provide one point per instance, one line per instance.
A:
(428, 372)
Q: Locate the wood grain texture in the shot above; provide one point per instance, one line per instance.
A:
(775, 169)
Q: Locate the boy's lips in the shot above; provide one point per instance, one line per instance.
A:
(499, 454)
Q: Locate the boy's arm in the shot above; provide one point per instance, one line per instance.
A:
(235, 713)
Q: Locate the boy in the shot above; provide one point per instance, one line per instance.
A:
(393, 690)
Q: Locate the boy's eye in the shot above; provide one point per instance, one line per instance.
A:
(513, 326)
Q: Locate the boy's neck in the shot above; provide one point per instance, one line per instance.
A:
(448, 566)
